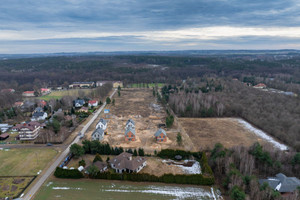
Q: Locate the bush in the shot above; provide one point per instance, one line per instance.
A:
(237, 193)
(82, 163)
(67, 173)
(77, 150)
(196, 179)
(97, 158)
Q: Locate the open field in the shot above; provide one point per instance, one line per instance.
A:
(144, 85)
(206, 132)
(117, 190)
(13, 186)
(13, 161)
(142, 107)
(61, 93)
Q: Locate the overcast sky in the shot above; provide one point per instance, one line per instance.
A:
(43, 26)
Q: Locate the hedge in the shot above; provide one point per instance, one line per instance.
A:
(67, 173)
(195, 179)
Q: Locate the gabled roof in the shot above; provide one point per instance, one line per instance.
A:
(103, 121)
(123, 161)
(98, 132)
(93, 101)
(282, 183)
(38, 109)
(28, 92)
(38, 114)
(132, 130)
(130, 121)
(80, 101)
(159, 132)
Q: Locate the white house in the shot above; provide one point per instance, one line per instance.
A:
(130, 124)
(93, 103)
(102, 124)
(98, 134)
(39, 114)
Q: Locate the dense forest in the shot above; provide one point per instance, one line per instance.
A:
(23, 74)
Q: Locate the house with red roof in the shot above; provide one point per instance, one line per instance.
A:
(28, 94)
(8, 90)
(260, 86)
(45, 91)
(93, 103)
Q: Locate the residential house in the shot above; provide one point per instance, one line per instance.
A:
(117, 84)
(98, 134)
(28, 94)
(281, 183)
(39, 114)
(260, 86)
(125, 163)
(78, 103)
(5, 127)
(93, 103)
(130, 134)
(4, 136)
(45, 91)
(161, 135)
(28, 106)
(84, 109)
(130, 124)
(101, 166)
(28, 131)
(8, 91)
(101, 83)
(42, 103)
(18, 104)
(82, 85)
(102, 124)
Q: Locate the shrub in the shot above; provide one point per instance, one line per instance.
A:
(67, 173)
(237, 193)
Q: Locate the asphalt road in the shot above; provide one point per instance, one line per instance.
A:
(34, 189)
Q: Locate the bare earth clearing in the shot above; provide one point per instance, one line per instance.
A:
(141, 106)
(206, 132)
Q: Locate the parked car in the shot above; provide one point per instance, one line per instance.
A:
(49, 144)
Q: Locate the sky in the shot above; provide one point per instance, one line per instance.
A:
(49, 26)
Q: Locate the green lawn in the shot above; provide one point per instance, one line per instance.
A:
(25, 161)
(119, 190)
(60, 94)
(150, 85)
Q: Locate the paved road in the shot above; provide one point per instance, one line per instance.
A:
(61, 157)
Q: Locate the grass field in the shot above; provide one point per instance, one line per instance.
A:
(116, 190)
(13, 186)
(60, 94)
(206, 132)
(25, 162)
(144, 85)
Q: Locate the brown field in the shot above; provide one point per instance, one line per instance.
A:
(206, 132)
(142, 107)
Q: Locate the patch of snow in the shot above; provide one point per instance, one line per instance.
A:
(177, 192)
(66, 188)
(39, 172)
(195, 169)
(50, 183)
(212, 191)
(263, 135)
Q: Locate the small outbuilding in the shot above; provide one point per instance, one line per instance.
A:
(4, 136)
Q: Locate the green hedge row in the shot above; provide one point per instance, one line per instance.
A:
(170, 154)
(67, 173)
(195, 179)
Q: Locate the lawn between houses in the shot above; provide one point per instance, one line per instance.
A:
(61, 93)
